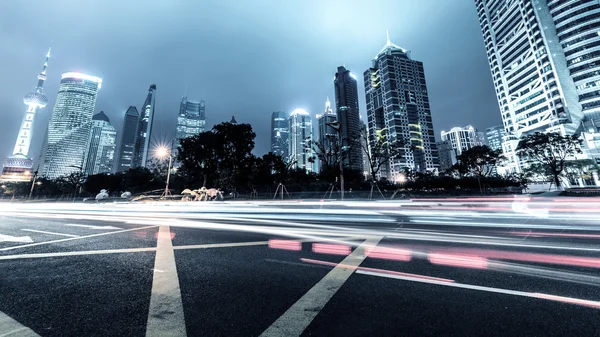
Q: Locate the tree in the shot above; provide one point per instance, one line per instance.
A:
(234, 154)
(198, 158)
(581, 169)
(220, 157)
(551, 150)
(479, 161)
(378, 151)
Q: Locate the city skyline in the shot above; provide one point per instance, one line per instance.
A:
(127, 76)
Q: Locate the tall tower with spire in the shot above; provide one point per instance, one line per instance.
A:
(17, 167)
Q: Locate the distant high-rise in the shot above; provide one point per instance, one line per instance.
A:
(300, 135)
(280, 134)
(128, 137)
(69, 128)
(18, 166)
(544, 60)
(447, 155)
(328, 136)
(191, 119)
(101, 146)
(494, 136)
(144, 130)
(462, 139)
(398, 110)
(346, 103)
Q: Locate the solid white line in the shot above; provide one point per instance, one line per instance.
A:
(92, 226)
(11, 328)
(85, 252)
(223, 245)
(297, 318)
(51, 233)
(588, 303)
(77, 238)
(165, 316)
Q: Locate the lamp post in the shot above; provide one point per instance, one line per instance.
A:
(162, 152)
(35, 174)
(337, 127)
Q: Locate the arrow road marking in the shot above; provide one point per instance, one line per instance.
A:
(23, 239)
(10, 327)
(91, 226)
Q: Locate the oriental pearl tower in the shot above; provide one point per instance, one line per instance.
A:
(18, 166)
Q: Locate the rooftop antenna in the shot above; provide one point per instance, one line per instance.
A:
(387, 34)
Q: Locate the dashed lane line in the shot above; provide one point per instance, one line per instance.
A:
(77, 238)
(297, 318)
(165, 315)
(51, 233)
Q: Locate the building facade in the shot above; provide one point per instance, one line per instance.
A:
(99, 157)
(300, 137)
(18, 166)
(494, 136)
(328, 136)
(142, 151)
(398, 110)
(280, 141)
(191, 119)
(447, 155)
(462, 138)
(69, 128)
(346, 104)
(545, 62)
(127, 144)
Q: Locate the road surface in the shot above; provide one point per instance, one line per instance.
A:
(430, 267)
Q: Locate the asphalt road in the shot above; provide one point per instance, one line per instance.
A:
(443, 267)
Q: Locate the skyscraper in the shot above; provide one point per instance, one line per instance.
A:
(398, 110)
(494, 136)
(128, 136)
(144, 130)
(191, 119)
(19, 164)
(346, 103)
(300, 135)
(69, 128)
(328, 136)
(543, 56)
(447, 155)
(280, 134)
(462, 138)
(101, 146)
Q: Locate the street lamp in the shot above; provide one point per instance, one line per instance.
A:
(337, 126)
(162, 152)
(33, 183)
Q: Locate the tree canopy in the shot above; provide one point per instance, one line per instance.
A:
(550, 150)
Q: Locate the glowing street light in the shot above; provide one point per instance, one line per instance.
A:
(161, 152)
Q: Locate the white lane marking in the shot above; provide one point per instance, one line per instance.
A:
(165, 315)
(8, 238)
(587, 303)
(9, 328)
(91, 226)
(77, 253)
(297, 318)
(77, 238)
(223, 245)
(51, 233)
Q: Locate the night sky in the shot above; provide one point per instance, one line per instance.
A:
(246, 58)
